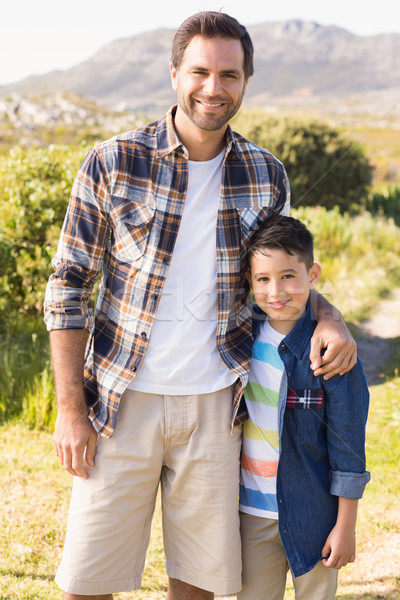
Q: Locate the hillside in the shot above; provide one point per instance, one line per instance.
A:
(294, 60)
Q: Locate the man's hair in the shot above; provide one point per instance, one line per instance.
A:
(282, 233)
(211, 24)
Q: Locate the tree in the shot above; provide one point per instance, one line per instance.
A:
(324, 168)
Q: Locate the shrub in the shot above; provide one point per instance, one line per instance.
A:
(324, 168)
(33, 198)
(385, 203)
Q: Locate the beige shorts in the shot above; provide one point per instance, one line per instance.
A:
(265, 566)
(185, 444)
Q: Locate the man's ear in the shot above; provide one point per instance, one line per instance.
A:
(245, 86)
(174, 74)
(314, 274)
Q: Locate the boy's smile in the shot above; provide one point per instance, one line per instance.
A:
(281, 284)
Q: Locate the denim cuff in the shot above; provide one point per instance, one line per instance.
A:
(349, 485)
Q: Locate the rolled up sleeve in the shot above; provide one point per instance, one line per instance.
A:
(80, 250)
(348, 485)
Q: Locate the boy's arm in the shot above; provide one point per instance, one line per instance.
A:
(331, 333)
(340, 547)
(346, 409)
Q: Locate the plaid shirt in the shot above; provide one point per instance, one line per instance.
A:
(123, 219)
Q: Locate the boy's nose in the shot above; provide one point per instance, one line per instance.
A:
(274, 290)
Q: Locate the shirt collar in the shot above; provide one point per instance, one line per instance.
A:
(297, 339)
(168, 141)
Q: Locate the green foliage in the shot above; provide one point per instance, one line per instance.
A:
(33, 198)
(386, 202)
(359, 256)
(24, 352)
(324, 168)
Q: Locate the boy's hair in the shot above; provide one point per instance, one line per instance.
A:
(282, 233)
(211, 24)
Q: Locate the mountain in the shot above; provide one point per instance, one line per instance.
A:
(293, 59)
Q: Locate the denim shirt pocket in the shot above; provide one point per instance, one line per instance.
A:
(305, 409)
(131, 227)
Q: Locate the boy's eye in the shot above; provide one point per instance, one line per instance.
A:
(288, 276)
(263, 279)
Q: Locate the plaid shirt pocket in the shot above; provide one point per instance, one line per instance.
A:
(304, 398)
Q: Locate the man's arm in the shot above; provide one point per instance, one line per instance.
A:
(331, 333)
(74, 436)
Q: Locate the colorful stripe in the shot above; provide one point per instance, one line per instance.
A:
(255, 392)
(256, 499)
(257, 466)
(267, 353)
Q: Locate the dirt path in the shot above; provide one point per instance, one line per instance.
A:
(374, 347)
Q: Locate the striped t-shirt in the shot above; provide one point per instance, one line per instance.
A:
(260, 449)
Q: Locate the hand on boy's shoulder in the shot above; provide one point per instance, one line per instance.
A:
(333, 350)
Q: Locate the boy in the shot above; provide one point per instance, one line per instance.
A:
(303, 459)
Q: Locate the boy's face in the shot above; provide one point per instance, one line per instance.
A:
(281, 284)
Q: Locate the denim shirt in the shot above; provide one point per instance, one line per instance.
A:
(321, 445)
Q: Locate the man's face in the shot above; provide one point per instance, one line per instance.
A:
(210, 83)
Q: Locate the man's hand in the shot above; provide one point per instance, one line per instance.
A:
(341, 350)
(75, 442)
(332, 335)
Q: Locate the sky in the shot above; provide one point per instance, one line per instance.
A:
(37, 37)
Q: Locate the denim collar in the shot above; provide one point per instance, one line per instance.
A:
(297, 339)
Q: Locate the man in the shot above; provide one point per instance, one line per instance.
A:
(165, 213)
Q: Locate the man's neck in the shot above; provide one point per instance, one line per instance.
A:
(201, 144)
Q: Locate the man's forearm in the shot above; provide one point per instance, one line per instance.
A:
(323, 309)
(67, 353)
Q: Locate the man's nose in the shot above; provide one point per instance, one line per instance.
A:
(212, 85)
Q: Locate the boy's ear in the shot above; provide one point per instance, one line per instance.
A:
(314, 274)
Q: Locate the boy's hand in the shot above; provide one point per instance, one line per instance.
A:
(340, 548)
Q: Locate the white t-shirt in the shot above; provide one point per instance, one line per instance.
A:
(182, 355)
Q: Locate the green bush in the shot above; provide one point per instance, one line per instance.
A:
(35, 189)
(324, 168)
(386, 203)
(359, 256)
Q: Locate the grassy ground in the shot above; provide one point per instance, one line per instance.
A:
(34, 503)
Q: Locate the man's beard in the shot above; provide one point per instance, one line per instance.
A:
(209, 123)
